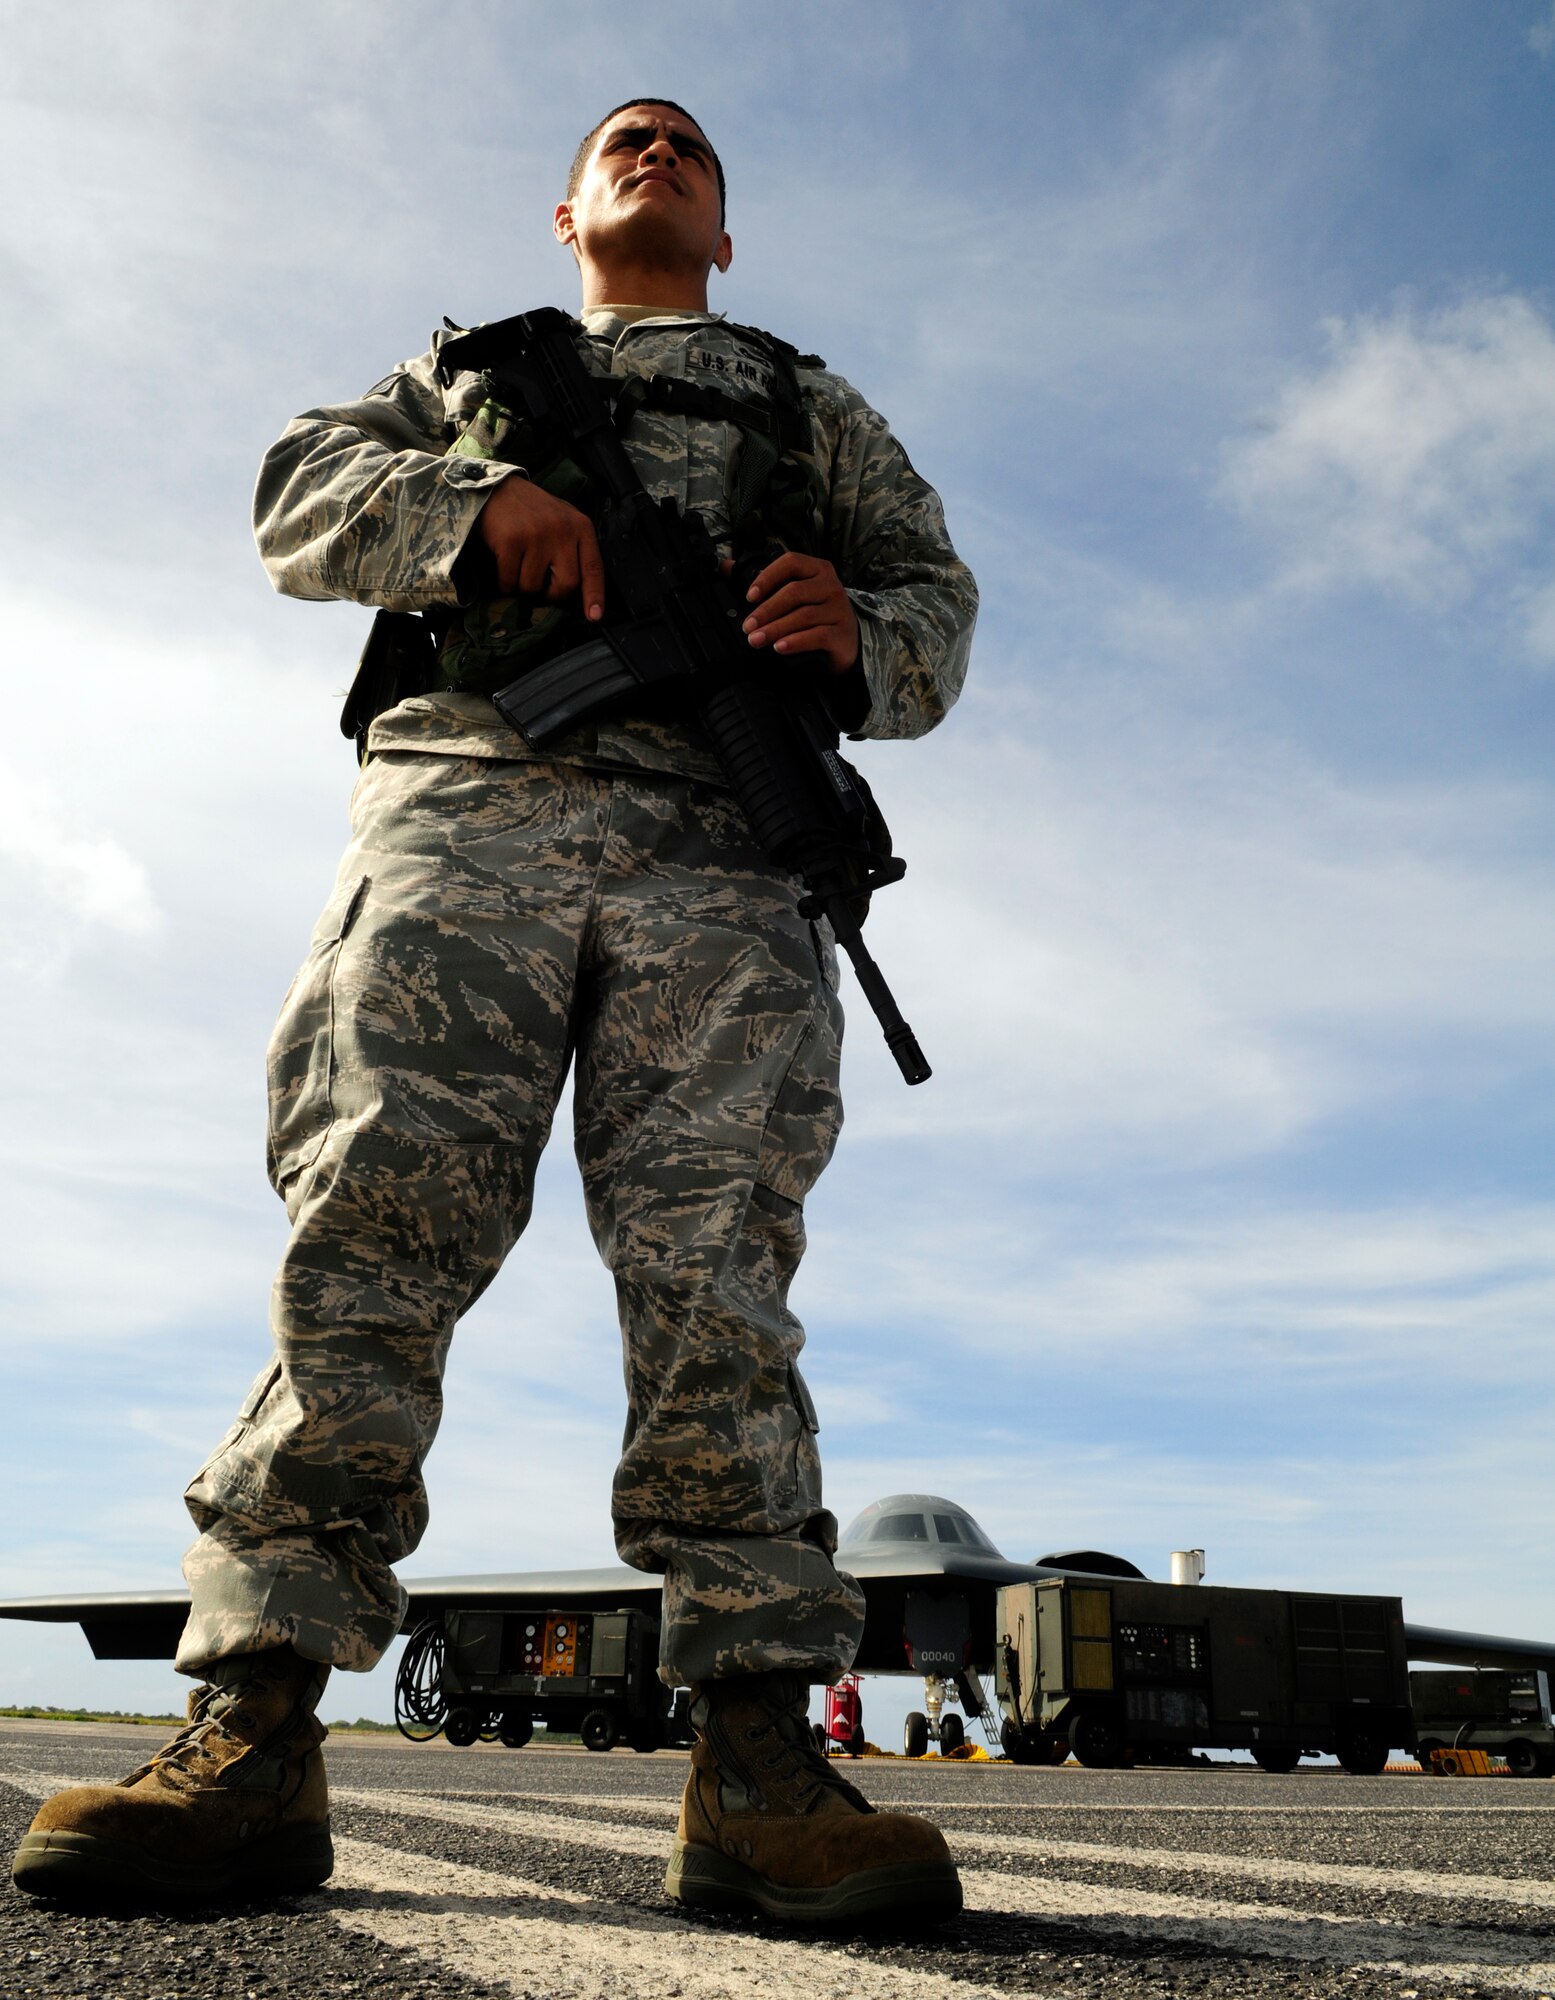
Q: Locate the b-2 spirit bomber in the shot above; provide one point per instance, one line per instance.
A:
(1088, 1655)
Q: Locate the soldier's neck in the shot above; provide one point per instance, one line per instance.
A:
(629, 315)
(653, 285)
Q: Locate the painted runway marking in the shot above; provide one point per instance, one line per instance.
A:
(1263, 1930)
(1258, 1868)
(535, 1938)
(1005, 1803)
(1273, 1868)
(1268, 1930)
(1141, 1807)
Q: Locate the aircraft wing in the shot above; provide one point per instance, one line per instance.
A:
(925, 1567)
(145, 1624)
(1477, 1649)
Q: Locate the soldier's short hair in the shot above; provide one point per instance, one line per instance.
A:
(580, 158)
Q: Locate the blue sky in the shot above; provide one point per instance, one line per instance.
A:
(1227, 334)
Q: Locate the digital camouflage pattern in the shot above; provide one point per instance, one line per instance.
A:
(487, 913)
(497, 915)
(374, 500)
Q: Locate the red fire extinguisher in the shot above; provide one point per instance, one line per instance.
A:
(845, 1715)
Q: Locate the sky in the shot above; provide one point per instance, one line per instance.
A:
(1227, 334)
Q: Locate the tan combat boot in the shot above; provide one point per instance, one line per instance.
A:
(768, 1823)
(237, 1800)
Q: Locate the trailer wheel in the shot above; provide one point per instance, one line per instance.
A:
(1522, 1758)
(1095, 1739)
(1017, 1747)
(822, 1740)
(463, 1726)
(915, 1735)
(515, 1730)
(1362, 1754)
(857, 1744)
(952, 1734)
(1427, 1750)
(1278, 1763)
(599, 1730)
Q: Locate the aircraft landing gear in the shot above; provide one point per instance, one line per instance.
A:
(948, 1730)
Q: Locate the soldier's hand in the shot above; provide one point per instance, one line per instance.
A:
(542, 546)
(800, 606)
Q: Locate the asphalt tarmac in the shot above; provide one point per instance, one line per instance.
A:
(463, 1874)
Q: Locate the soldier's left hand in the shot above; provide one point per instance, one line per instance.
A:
(800, 606)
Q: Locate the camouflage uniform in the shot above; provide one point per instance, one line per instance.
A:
(498, 915)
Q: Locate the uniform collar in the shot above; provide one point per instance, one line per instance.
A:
(609, 322)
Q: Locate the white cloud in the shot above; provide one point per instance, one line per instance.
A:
(1312, 1297)
(1421, 453)
(60, 880)
(1541, 36)
(1122, 937)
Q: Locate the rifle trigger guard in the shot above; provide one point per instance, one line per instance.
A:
(881, 876)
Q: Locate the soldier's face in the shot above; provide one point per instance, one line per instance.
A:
(650, 187)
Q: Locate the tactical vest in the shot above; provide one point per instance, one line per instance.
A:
(778, 496)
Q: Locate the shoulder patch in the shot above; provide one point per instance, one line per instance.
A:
(382, 388)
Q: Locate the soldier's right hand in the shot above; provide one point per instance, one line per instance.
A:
(542, 546)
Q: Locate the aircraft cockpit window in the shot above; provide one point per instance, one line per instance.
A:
(945, 1527)
(901, 1528)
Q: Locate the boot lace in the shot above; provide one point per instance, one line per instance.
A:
(182, 1753)
(785, 1728)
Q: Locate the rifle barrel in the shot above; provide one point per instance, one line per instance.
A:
(899, 1038)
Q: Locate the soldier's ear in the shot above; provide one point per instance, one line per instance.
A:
(723, 256)
(563, 228)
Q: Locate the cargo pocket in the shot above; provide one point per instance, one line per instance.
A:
(214, 1489)
(803, 1403)
(300, 1059)
(806, 1464)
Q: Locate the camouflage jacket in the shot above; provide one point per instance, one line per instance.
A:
(363, 501)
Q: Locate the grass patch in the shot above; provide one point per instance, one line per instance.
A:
(86, 1715)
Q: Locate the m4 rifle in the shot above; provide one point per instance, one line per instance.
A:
(673, 624)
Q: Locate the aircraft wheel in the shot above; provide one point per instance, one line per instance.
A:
(515, 1730)
(1095, 1739)
(822, 1740)
(1522, 1758)
(1428, 1748)
(462, 1727)
(915, 1734)
(952, 1734)
(1057, 1749)
(599, 1730)
(857, 1744)
(1362, 1754)
(1278, 1763)
(644, 1736)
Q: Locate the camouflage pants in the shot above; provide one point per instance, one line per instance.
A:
(490, 922)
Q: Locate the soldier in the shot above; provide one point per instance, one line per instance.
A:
(499, 914)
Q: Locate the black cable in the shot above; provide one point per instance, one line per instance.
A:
(420, 1708)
